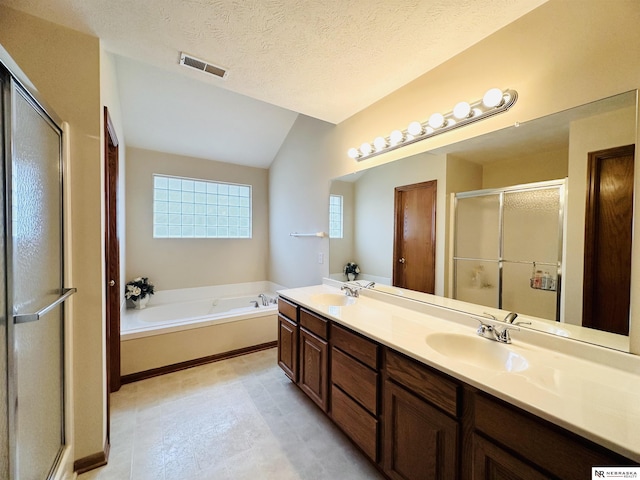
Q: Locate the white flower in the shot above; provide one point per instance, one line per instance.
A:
(138, 279)
(132, 291)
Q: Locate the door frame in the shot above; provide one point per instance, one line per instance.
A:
(112, 263)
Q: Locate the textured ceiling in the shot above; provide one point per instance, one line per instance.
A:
(324, 58)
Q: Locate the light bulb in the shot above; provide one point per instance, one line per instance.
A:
(380, 143)
(462, 110)
(365, 148)
(415, 128)
(396, 137)
(436, 120)
(492, 98)
(353, 153)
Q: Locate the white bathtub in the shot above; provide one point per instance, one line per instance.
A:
(182, 325)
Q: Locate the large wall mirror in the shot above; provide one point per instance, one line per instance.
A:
(561, 146)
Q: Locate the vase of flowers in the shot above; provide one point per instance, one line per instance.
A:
(138, 291)
(351, 270)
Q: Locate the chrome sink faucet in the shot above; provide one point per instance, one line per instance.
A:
(493, 332)
(350, 290)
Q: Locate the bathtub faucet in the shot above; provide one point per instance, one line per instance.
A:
(255, 303)
(265, 300)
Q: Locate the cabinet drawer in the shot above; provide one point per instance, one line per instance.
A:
(361, 427)
(314, 323)
(433, 387)
(359, 347)
(288, 309)
(356, 379)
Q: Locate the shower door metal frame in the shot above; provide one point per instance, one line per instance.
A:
(500, 192)
(16, 83)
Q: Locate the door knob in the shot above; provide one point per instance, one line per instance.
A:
(112, 283)
(402, 260)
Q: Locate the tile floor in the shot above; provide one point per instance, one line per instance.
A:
(235, 419)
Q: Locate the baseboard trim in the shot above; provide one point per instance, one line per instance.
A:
(93, 461)
(154, 372)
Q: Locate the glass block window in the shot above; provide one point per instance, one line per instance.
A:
(191, 208)
(335, 216)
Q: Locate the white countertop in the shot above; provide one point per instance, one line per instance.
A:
(589, 390)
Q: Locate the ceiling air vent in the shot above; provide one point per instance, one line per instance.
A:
(198, 64)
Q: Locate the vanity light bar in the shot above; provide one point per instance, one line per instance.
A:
(494, 101)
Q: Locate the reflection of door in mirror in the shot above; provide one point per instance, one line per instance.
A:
(415, 237)
(607, 253)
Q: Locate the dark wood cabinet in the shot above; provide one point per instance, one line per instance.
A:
(314, 366)
(545, 446)
(415, 422)
(420, 426)
(288, 338)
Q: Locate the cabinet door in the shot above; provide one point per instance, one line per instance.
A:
(313, 368)
(492, 463)
(288, 347)
(420, 442)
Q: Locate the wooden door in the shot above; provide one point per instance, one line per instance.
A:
(414, 248)
(112, 256)
(608, 229)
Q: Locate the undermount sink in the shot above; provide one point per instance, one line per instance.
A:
(333, 299)
(477, 351)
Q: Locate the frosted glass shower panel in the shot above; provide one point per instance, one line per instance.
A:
(532, 225)
(36, 234)
(477, 282)
(4, 426)
(477, 227)
(519, 296)
(36, 267)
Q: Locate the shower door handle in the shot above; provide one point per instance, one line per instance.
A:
(34, 317)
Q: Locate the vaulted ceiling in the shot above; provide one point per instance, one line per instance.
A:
(327, 59)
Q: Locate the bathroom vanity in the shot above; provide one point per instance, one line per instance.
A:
(424, 397)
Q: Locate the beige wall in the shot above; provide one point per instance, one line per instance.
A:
(64, 65)
(299, 202)
(526, 169)
(192, 262)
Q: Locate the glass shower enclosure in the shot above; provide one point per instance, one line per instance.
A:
(32, 293)
(508, 248)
